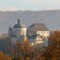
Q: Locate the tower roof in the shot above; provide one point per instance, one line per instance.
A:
(19, 25)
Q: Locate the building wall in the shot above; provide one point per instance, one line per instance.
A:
(31, 31)
(14, 40)
(19, 31)
(39, 40)
(34, 31)
(43, 33)
(23, 31)
(9, 33)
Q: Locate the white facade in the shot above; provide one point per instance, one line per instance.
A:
(39, 40)
(19, 31)
(44, 33)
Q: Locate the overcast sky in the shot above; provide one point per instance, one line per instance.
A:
(14, 5)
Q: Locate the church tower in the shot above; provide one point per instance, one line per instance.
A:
(17, 32)
(19, 29)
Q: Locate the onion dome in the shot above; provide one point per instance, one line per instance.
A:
(19, 25)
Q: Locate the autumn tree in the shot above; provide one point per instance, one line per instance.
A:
(53, 51)
(22, 51)
(4, 56)
(27, 50)
(55, 37)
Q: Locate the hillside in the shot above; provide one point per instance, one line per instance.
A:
(51, 18)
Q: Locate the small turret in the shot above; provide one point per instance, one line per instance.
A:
(10, 31)
(10, 28)
(19, 20)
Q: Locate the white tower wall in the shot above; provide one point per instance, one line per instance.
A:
(19, 31)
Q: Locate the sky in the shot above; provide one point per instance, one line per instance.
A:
(35, 5)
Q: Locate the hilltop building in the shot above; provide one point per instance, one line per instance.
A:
(17, 31)
(38, 28)
(36, 33)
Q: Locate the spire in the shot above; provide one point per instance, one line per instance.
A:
(19, 20)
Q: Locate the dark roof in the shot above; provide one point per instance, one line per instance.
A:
(18, 26)
(39, 26)
(34, 36)
(10, 28)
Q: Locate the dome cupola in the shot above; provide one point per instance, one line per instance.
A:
(19, 25)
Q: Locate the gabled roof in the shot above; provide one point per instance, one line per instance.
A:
(39, 27)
